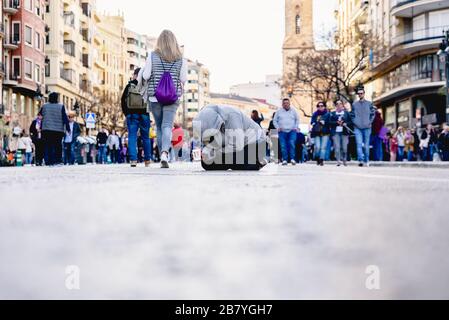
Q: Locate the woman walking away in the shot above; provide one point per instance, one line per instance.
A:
(320, 132)
(255, 117)
(166, 73)
(339, 121)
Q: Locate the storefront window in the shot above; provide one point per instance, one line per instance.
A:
(404, 113)
(22, 105)
(14, 102)
(390, 117)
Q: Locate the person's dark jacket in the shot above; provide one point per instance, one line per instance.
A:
(416, 142)
(34, 134)
(443, 142)
(378, 123)
(333, 119)
(433, 136)
(124, 101)
(319, 129)
(300, 139)
(54, 117)
(102, 138)
(259, 120)
(76, 131)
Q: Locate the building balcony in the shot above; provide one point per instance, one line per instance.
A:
(100, 63)
(11, 6)
(422, 73)
(413, 8)
(11, 80)
(10, 43)
(418, 40)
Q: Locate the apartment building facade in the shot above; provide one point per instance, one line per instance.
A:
(111, 70)
(69, 50)
(23, 60)
(138, 48)
(405, 77)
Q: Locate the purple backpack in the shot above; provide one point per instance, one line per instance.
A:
(166, 93)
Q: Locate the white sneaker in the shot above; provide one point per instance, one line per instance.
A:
(293, 163)
(164, 161)
(284, 163)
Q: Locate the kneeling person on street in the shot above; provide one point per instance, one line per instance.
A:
(231, 140)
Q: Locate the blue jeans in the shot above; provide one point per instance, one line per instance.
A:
(401, 154)
(102, 154)
(410, 156)
(164, 117)
(69, 153)
(28, 157)
(287, 140)
(378, 148)
(321, 147)
(362, 138)
(134, 123)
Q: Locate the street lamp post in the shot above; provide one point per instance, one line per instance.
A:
(444, 54)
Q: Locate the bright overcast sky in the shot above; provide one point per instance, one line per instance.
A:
(238, 40)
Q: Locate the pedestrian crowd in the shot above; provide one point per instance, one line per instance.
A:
(349, 132)
(225, 138)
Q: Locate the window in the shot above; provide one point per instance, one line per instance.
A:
(14, 102)
(22, 104)
(37, 73)
(29, 5)
(16, 32)
(298, 24)
(16, 67)
(37, 7)
(47, 69)
(37, 41)
(29, 69)
(28, 35)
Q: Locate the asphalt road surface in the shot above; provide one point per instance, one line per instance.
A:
(98, 232)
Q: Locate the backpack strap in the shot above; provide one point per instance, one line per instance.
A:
(163, 65)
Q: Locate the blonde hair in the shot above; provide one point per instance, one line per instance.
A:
(167, 47)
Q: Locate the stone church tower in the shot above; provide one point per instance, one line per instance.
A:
(298, 38)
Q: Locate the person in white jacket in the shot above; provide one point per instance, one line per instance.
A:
(113, 144)
(26, 146)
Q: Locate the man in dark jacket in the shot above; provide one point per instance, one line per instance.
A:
(54, 121)
(102, 139)
(444, 142)
(136, 119)
(36, 137)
